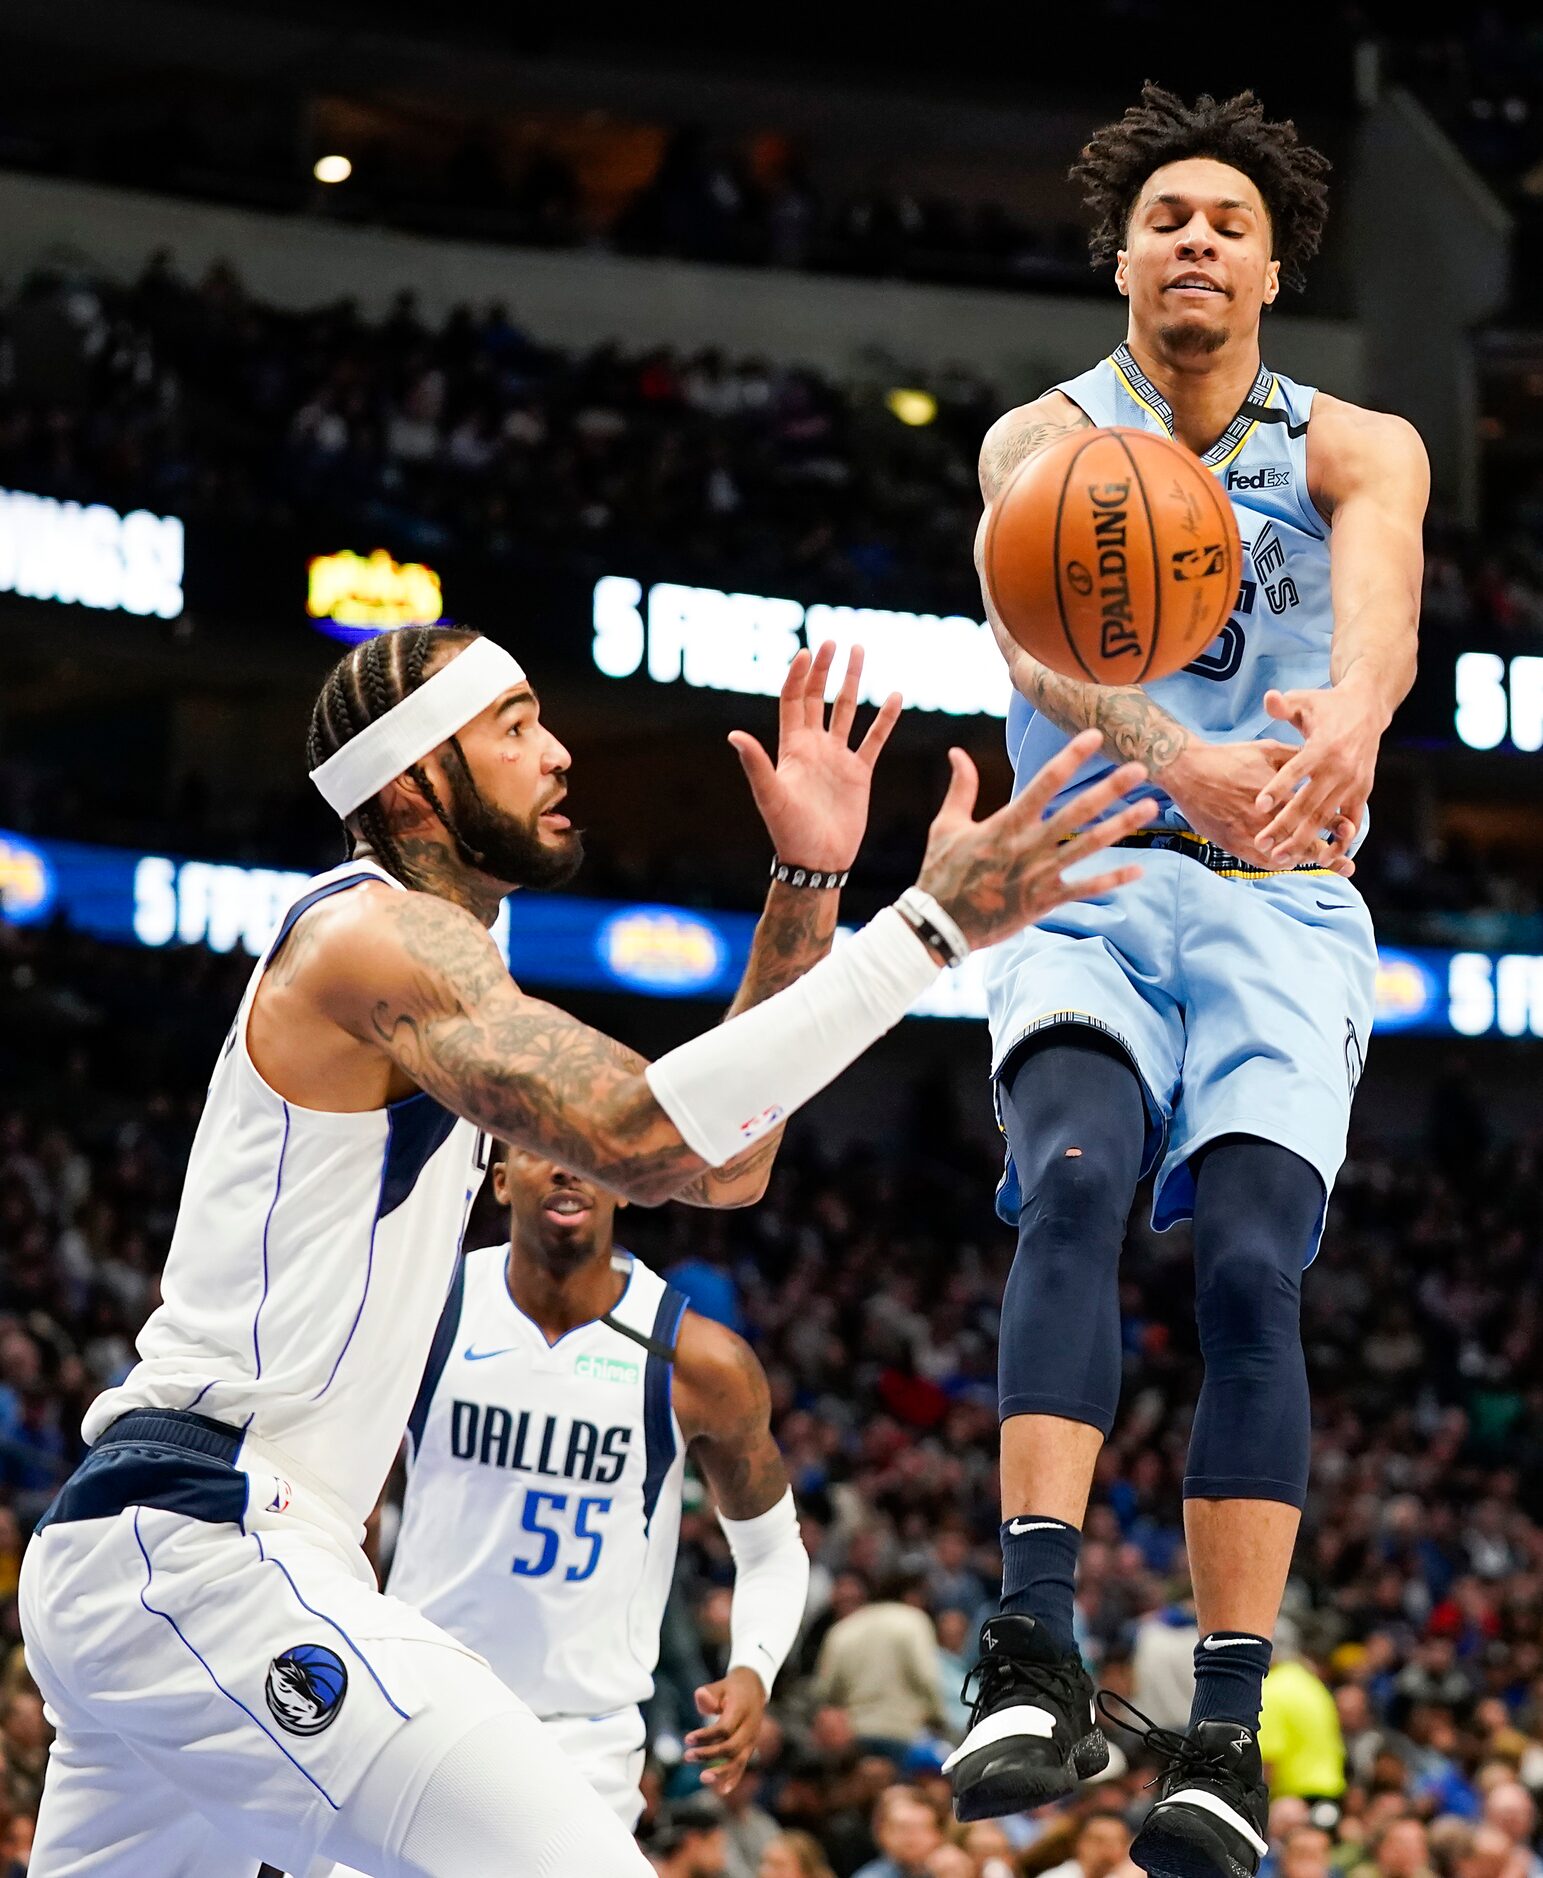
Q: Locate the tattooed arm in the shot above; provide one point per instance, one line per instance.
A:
(1216, 787)
(1135, 730)
(416, 980)
(724, 1407)
(814, 802)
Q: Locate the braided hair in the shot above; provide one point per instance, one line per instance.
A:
(1289, 174)
(364, 684)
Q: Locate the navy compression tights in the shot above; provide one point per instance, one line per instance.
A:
(1076, 1123)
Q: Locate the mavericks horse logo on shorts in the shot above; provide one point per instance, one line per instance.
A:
(305, 1688)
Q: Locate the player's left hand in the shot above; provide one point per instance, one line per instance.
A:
(814, 800)
(1327, 783)
(736, 1704)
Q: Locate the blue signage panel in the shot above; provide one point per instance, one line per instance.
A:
(562, 942)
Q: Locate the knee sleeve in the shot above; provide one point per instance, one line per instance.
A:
(1076, 1123)
(1258, 1208)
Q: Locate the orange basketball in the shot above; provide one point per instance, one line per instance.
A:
(1113, 555)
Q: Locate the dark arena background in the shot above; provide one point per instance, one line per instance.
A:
(653, 364)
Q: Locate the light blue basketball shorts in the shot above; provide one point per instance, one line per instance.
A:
(1245, 1004)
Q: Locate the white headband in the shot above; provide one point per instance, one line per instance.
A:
(420, 723)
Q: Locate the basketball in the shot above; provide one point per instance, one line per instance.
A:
(1113, 555)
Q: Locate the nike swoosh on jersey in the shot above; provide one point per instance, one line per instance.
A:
(1268, 414)
(478, 1356)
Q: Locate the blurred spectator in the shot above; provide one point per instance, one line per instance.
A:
(1399, 1849)
(990, 1849)
(1163, 1662)
(1512, 1810)
(1307, 1852)
(748, 1828)
(881, 1665)
(956, 1657)
(1299, 1736)
(794, 1855)
(690, 1841)
(1101, 1848)
(907, 1833)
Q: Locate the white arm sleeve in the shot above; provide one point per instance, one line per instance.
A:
(771, 1587)
(726, 1088)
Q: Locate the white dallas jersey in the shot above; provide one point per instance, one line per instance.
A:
(544, 1489)
(311, 1256)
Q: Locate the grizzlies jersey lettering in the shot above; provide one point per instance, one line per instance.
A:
(310, 1258)
(544, 1489)
(1280, 631)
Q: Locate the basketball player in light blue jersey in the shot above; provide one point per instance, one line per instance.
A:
(1211, 1024)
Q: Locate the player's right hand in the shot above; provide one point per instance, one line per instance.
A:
(996, 876)
(1216, 786)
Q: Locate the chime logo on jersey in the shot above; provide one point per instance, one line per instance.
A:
(305, 1688)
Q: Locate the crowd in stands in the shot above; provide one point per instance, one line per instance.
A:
(1404, 1717)
(471, 437)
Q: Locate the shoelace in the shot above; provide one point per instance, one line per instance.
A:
(1181, 1752)
(1003, 1675)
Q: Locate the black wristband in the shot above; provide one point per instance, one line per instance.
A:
(788, 876)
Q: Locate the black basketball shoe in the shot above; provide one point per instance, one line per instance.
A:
(1209, 1817)
(1033, 1730)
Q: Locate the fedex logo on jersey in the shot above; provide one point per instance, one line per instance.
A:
(557, 1446)
(1267, 478)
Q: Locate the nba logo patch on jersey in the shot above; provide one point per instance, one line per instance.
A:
(305, 1688)
(283, 1493)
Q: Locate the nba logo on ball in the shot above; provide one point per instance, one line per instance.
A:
(305, 1688)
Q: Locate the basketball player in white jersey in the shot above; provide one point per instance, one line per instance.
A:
(227, 1684)
(1211, 1024)
(566, 1384)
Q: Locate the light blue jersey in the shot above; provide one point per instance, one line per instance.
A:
(1242, 999)
(1279, 633)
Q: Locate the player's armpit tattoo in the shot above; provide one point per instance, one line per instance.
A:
(1013, 439)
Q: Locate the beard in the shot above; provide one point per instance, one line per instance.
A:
(1195, 339)
(512, 850)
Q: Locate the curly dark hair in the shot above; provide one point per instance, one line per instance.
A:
(362, 686)
(1117, 160)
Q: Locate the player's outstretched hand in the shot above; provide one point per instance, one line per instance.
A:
(736, 1705)
(1001, 874)
(814, 799)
